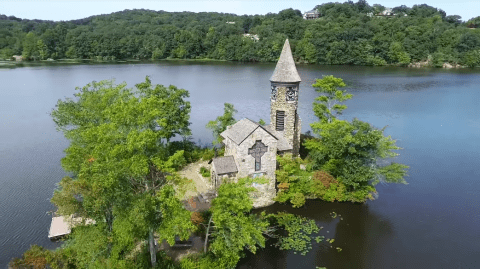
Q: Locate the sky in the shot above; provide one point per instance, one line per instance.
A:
(70, 10)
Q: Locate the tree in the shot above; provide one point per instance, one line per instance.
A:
(220, 124)
(474, 22)
(401, 9)
(35, 258)
(295, 184)
(455, 19)
(397, 53)
(347, 35)
(472, 58)
(326, 107)
(234, 228)
(42, 49)
(122, 169)
(6, 53)
(354, 153)
(30, 49)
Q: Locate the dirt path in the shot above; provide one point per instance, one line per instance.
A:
(192, 171)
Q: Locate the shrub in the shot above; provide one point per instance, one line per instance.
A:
(208, 154)
(283, 186)
(35, 257)
(197, 218)
(298, 199)
(325, 178)
(328, 188)
(204, 171)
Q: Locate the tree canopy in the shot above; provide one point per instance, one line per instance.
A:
(124, 172)
(354, 153)
(221, 123)
(346, 33)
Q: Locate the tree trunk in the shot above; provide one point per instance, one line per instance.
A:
(206, 236)
(153, 250)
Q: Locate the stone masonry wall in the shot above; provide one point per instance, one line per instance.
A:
(291, 130)
(246, 162)
(296, 141)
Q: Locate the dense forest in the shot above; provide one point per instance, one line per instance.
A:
(344, 33)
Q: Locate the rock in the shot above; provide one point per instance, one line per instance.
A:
(447, 65)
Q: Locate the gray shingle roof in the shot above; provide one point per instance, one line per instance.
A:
(282, 143)
(242, 129)
(224, 165)
(285, 71)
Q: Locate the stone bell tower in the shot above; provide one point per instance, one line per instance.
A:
(285, 83)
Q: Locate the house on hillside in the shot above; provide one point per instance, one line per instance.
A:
(250, 148)
(253, 37)
(386, 13)
(311, 15)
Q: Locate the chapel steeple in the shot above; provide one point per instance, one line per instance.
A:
(285, 83)
(285, 71)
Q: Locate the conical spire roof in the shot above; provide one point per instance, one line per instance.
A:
(286, 71)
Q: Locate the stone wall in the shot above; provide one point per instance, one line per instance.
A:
(292, 122)
(246, 162)
(296, 141)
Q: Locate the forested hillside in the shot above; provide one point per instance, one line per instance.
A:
(345, 33)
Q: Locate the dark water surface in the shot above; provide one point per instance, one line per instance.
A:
(434, 222)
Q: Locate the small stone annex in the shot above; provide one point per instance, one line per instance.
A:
(250, 148)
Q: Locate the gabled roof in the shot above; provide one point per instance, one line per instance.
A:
(285, 71)
(313, 11)
(282, 143)
(224, 165)
(242, 129)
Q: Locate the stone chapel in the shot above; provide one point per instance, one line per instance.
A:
(250, 148)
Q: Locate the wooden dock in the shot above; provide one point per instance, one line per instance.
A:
(62, 226)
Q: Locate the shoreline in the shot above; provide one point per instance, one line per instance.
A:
(15, 64)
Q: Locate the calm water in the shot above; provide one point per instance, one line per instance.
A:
(434, 222)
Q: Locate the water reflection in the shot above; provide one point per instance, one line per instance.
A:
(356, 230)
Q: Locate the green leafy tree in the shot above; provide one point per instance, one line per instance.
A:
(472, 58)
(233, 228)
(327, 106)
(220, 124)
(6, 53)
(294, 183)
(30, 49)
(35, 257)
(474, 22)
(42, 50)
(119, 156)
(398, 54)
(349, 33)
(353, 152)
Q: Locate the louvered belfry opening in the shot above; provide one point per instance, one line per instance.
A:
(280, 120)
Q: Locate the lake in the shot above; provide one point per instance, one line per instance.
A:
(434, 114)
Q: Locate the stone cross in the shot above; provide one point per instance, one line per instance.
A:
(257, 152)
